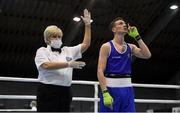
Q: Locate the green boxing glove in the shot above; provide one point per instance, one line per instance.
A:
(133, 32)
(107, 99)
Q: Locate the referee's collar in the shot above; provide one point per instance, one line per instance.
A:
(53, 49)
(49, 47)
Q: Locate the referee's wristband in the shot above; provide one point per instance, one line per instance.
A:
(137, 38)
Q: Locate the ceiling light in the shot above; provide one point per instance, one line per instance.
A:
(173, 7)
(77, 19)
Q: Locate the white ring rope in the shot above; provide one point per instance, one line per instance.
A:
(159, 101)
(95, 99)
(16, 79)
(31, 97)
(157, 86)
(13, 110)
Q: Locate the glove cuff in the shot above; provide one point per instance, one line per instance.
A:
(137, 38)
(105, 91)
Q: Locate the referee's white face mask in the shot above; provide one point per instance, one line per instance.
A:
(56, 43)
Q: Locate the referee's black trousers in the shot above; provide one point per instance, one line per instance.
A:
(53, 98)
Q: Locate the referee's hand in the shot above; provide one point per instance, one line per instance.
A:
(76, 64)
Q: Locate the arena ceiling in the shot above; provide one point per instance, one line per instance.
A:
(22, 23)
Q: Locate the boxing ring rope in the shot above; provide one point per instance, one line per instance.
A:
(95, 99)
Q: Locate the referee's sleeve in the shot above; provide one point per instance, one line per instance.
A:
(41, 57)
(76, 52)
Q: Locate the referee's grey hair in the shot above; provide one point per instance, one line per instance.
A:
(51, 30)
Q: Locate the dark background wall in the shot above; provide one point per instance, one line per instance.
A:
(22, 23)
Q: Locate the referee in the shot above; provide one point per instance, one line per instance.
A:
(55, 66)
